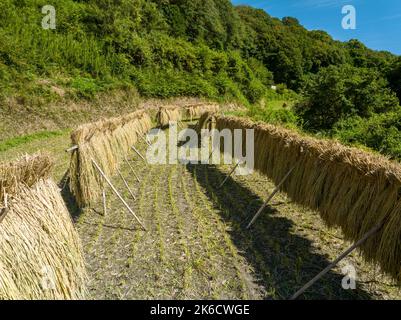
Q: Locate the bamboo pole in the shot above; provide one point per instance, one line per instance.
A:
(117, 193)
(66, 178)
(126, 184)
(335, 262)
(73, 148)
(276, 190)
(132, 169)
(4, 211)
(146, 141)
(211, 154)
(138, 153)
(104, 202)
(229, 175)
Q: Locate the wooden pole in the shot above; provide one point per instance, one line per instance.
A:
(117, 193)
(229, 175)
(73, 148)
(104, 202)
(211, 154)
(270, 198)
(146, 141)
(4, 211)
(126, 184)
(65, 178)
(335, 262)
(138, 153)
(132, 169)
(213, 151)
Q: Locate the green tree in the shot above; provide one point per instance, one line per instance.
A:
(394, 78)
(336, 93)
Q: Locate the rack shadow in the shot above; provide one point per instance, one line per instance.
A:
(283, 261)
(69, 199)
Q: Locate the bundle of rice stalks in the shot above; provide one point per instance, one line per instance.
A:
(350, 188)
(107, 142)
(165, 115)
(40, 252)
(27, 170)
(206, 121)
(196, 111)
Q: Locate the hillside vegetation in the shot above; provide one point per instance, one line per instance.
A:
(201, 48)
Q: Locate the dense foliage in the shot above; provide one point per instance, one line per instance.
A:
(394, 77)
(381, 132)
(337, 93)
(168, 47)
(208, 48)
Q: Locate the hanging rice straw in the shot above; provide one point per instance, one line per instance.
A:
(195, 112)
(350, 188)
(166, 115)
(107, 142)
(40, 252)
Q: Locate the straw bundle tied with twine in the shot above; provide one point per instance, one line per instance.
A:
(107, 142)
(168, 114)
(350, 188)
(40, 252)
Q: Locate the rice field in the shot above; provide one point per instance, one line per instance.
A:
(196, 246)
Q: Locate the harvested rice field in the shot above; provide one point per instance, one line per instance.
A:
(197, 246)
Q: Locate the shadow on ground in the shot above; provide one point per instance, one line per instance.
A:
(69, 198)
(283, 261)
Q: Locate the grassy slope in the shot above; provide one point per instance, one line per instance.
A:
(32, 122)
(55, 145)
(197, 247)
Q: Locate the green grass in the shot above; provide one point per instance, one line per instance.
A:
(277, 112)
(22, 140)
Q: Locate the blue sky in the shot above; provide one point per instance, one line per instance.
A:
(378, 22)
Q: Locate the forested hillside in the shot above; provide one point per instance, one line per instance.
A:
(207, 48)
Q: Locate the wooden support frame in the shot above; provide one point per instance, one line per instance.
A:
(230, 174)
(117, 194)
(104, 202)
(126, 184)
(146, 141)
(276, 190)
(369, 234)
(138, 153)
(73, 148)
(132, 169)
(5, 210)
